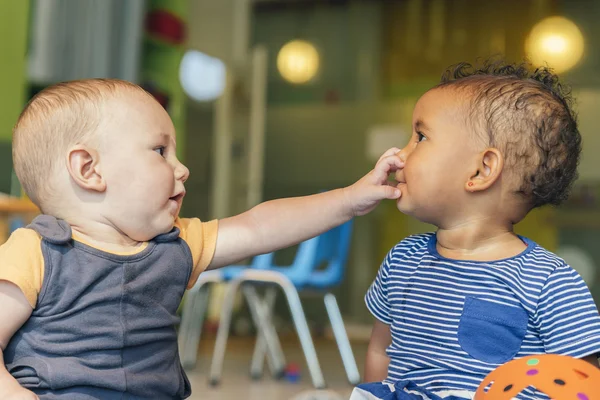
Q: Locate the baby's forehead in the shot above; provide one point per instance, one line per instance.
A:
(128, 104)
(128, 98)
(446, 103)
(137, 112)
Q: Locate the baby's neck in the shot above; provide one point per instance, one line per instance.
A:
(479, 240)
(102, 235)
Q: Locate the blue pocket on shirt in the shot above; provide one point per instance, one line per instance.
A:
(491, 332)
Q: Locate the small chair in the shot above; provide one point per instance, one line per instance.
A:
(329, 249)
(194, 310)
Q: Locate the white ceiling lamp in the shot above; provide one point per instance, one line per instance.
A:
(557, 42)
(202, 77)
(298, 61)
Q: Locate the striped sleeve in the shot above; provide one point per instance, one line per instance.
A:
(567, 317)
(377, 295)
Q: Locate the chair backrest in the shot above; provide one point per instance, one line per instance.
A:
(328, 250)
(334, 244)
(332, 255)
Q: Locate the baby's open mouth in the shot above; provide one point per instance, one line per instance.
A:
(178, 197)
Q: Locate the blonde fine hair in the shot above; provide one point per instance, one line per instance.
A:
(55, 119)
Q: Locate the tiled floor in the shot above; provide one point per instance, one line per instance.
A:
(236, 383)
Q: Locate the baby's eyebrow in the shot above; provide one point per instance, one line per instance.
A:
(166, 137)
(420, 125)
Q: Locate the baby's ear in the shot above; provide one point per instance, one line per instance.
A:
(83, 166)
(489, 167)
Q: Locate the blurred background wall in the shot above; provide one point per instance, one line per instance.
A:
(13, 50)
(376, 59)
(371, 59)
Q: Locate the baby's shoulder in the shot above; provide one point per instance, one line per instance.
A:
(21, 240)
(537, 257)
(412, 245)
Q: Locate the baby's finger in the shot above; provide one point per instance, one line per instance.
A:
(391, 162)
(389, 152)
(385, 166)
(390, 192)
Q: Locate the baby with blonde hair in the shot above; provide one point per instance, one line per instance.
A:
(48, 127)
(89, 290)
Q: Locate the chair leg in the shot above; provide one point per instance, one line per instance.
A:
(341, 337)
(216, 367)
(258, 357)
(192, 320)
(183, 333)
(291, 293)
(267, 341)
(306, 341)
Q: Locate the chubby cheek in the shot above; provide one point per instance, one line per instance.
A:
(165, 178)
(158, 186)
(423, 178)
(415, 175)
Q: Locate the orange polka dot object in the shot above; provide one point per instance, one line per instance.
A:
(560, 377)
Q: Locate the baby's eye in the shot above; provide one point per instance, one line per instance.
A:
(420, 137)
(160, 150)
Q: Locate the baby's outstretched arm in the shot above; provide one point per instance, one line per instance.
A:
(14, 312)
(281, 223)
(377, 362)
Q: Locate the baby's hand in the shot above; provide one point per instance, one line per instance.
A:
(365, 194)
(20, 394)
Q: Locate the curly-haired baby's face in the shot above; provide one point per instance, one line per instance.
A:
(442, 159)
(526, 113)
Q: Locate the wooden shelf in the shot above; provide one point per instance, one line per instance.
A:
(11, 205)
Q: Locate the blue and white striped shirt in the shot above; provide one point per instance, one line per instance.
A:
(454, 321)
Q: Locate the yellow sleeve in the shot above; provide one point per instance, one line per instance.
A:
(22, 263)
(201, 237)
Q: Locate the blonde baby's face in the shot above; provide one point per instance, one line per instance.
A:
(439, 159)
(144, 179)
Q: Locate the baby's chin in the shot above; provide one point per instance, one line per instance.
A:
(149, 234)
(406, 207)
(402, 202)
(168, 228)
(402, 206)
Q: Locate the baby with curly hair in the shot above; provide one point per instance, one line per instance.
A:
(489, 144)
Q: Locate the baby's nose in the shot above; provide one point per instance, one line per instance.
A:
(182, 173)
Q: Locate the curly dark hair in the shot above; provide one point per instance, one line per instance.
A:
(527, 114)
